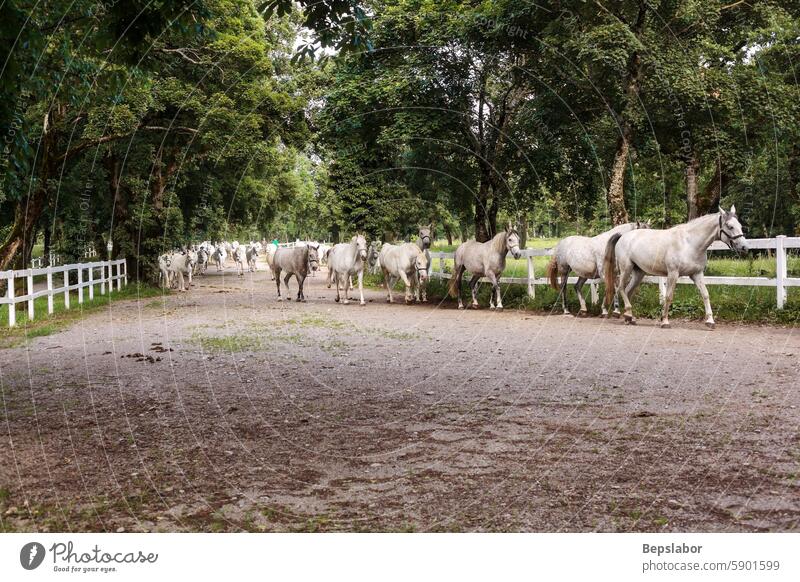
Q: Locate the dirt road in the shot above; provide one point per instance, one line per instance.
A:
(222, 409)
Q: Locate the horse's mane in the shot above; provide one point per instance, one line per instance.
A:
(715, 215)
(499, 240)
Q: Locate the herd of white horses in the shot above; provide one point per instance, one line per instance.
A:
(621, 257)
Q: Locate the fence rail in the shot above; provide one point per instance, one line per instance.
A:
(780, 282)
(85, 280)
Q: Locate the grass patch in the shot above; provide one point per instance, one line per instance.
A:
(730, 303)
(44, 324)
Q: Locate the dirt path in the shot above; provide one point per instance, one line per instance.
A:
(222, 409)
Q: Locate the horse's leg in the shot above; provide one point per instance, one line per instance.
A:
(636, 279)
(672, 280)
(459, 274)
(286, 281)
(407, 283)
(579, 290)
(473, 285)
(387, 279)
(301, 279)
(701, 286)
(622, 284)
(563, 292)
(494, 296)
(346, 285)
(361, 287)
(276, 276)
(336, 280)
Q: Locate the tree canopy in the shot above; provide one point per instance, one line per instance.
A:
(152, 125)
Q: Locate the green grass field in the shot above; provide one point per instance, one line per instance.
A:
(44, 324)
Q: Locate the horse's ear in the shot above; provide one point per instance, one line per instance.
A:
(733, 210)
(722, 210)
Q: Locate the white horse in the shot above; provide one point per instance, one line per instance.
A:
(252, 256)
(585, 256)
(219, 257)
(484, 259)
(672, 253)
(344, 260)
(407, 262)
(178, 266)
(239, 259)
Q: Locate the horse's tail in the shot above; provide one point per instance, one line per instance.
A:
(552, 273)
(609, 268)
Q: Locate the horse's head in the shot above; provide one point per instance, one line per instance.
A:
(361, 246)
(641, 224)
(374, 252)
(421, 265)
(730, 230)
(512, 241)
(425, 236)
(313, 256)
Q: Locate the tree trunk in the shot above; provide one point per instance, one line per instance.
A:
(494, 207)
(713, 191)
(482, 212)
(522, 230)
(616, 189)
(448, 232)
(692, 174)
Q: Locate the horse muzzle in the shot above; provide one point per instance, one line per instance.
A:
(516, 253)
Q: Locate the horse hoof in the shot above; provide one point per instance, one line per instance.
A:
(583, 313)
(337, 300)
(711, 325)
(666, 326)
(629, 320)
(567, 314)
(499, 308)
(616, 314)
(604, 315)
(362, 303)
(491, 307)
(346, 302)
(461, 307)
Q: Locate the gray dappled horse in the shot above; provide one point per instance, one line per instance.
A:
(294, 261)
(585, 256)
(672, 253)
(344, 260)
(484, 260)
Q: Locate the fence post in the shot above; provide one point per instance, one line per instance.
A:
(91, 282)
(119, 276)
(102, 278)
(126, 271)
(662, 290)
(780, 270)
(12, 308)
(66, 288)
(441, 265)
(49, 290)
(80, 283)
(531, 276)
(30, 296)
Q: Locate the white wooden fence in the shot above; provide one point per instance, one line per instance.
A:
(88, 276)
(779, 245)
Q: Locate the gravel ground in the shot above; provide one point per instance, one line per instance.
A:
(222, 409)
